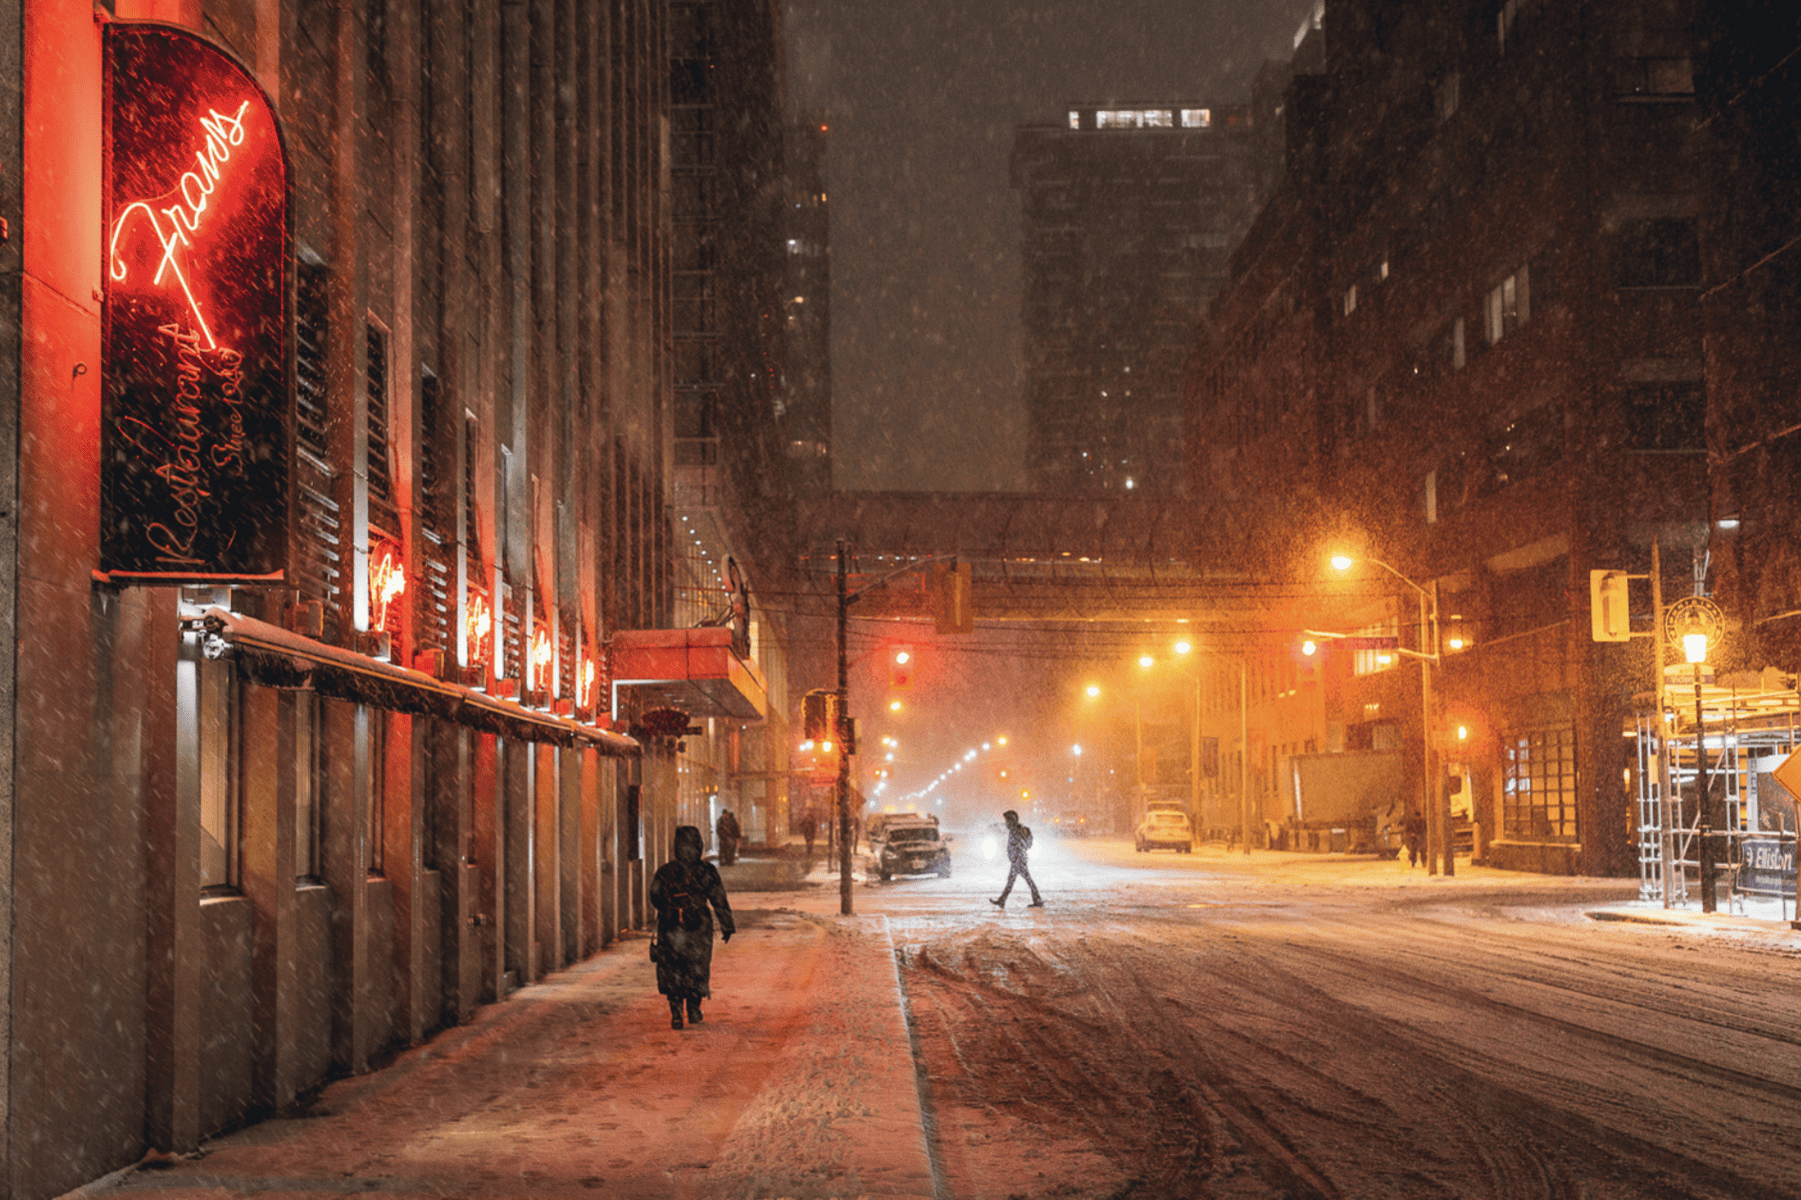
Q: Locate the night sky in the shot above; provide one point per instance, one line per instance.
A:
(922, 98)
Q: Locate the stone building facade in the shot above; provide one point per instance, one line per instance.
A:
(265, 820)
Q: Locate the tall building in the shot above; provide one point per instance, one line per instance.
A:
(807, 420)
(732, 480)
(1129, 215)
(342, 549)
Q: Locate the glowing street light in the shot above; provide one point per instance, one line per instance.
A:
(1437, 801)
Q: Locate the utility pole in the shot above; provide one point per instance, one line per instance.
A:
(842, 735)
(1244, 753)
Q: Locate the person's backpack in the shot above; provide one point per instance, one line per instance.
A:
(1025, 837)
(687, 903)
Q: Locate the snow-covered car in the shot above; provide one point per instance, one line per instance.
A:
(912, 848)
(1164, 828)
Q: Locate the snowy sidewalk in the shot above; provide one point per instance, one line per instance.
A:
(800, 1083)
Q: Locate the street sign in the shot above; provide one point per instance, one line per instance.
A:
(1788, 773)
(1371, 643)
(1693, 615)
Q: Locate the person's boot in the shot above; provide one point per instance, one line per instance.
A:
(694, 1017)
(675, 1013)
(1001, 903)
(1037, 902)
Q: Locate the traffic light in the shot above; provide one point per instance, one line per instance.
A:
(1607, 611)
(900, 667)
(819, 708)
(949, 588)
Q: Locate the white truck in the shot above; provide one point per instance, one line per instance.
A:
(1351, 802)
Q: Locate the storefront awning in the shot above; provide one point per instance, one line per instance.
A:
(694, 670)
(276, 657)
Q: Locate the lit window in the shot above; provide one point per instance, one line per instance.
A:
(1506, 307)
(1134, 118)
(1350, 300)
(1075, 119)
(1196, 118)
(1368, 662)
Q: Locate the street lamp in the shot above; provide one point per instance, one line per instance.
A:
(1437, 806)
(1694, 649)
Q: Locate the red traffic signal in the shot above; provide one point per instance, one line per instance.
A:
(900, 667)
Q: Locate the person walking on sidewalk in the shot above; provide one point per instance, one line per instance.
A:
(730, 833)
(686, 891)
(1019, 840)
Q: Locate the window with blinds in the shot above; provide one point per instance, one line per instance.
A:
(319, 533)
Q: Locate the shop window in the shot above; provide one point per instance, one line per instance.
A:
(1662, 252)
(1538, 800)
(207, 760)
(1666, 416)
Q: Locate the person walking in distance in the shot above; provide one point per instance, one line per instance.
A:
(1019, 840)
(730, 833)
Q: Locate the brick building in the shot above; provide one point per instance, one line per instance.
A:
(1467, 326)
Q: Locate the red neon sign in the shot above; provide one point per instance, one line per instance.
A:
(478, 624)
(192, 194)
(541, 653)
(194, 473)
(387, 582)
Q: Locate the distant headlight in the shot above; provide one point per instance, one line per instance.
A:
(991, 847)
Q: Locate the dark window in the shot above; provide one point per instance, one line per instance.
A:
(1666, 416)
(1525, 447)
(310, 323)
(382, 513)
(1657, 253)
(1642, 78)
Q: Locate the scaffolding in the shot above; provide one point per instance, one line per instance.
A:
(1747, 733)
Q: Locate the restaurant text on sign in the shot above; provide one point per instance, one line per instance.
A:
(195, 361)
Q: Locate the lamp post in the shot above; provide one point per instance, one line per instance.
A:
(1694, 649)
(1437, 801)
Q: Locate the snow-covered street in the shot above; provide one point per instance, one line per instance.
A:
(1168, 1025)
(1292, 1025)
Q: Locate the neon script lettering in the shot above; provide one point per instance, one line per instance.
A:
(176, 214)
(478, 624)
(387, 581)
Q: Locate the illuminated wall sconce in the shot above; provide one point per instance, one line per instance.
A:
(387, 583)
(478, 630)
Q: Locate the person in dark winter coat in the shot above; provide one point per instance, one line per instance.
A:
(1415, 836)
(687, 892)
(1019, 840)
(730, 834)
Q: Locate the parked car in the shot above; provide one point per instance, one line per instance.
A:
(911, 847)
(1162, 827)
